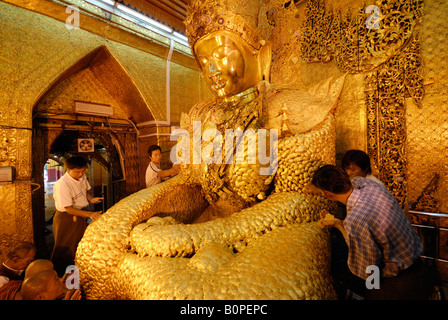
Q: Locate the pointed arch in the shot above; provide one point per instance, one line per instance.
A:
(98, 76)
(106, 68)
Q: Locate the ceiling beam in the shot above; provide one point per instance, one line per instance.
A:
(168, 7)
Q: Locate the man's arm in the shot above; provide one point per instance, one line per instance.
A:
(81, 213)
(92, 199)
(170, 172)
(330, 221)
(338, 224)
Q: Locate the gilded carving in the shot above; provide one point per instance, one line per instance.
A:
(354, 41)
(24, 221)
(428, 200)
(4, 152)
(385, 47)
(15, 226)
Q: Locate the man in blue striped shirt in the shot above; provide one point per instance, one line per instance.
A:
(378, 234)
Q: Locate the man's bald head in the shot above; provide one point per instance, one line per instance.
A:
(45, 285)
(37, 266)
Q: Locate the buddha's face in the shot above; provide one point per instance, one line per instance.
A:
(227, 63)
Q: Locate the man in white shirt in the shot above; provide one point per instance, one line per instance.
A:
(154, 174)
(71, 196)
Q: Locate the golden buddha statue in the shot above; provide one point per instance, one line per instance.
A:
(226, 227)
(232, 69)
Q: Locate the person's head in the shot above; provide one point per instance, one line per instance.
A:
(45, 285)
(37, 266)
(356, 163)
(333, 181)
(76, 166)
(155, 153)
(21, 255)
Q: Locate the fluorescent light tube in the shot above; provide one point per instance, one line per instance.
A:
(110, 2)
(144, 18)
(99, 2)
(180, 36)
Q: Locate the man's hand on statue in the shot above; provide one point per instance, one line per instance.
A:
(95, 215)
(175, 169)
(327, 219)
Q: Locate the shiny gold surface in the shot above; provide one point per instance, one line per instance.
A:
(228, 65)
(427, 123)
(389, 58)
(224, 223)
(17, 224)
(386, 124)
(398, 107)
(296, 169)
(428, 200)
(238, 17)
(111, 271)
(346, 38)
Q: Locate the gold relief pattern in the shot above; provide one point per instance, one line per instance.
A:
(280, 26)
(391, 130)
(4, 145)
(239, 17)
(8, 237)
(232, 181)
(427, 127)
(371, 98)
(131, 162)
(296, 169)
(428, 201)
(350, 41)
(8, 146)
(7, 193)
(24, 220)
(23, 161)
(385, 91)
(14, 150)
(16, 227)
(389, 55)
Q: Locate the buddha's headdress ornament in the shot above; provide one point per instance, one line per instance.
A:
(237, 16)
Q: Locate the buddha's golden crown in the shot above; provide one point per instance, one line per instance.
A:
(237, 16)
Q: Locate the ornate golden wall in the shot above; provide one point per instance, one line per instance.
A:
(36, 49)
(427, 126)
(393, 104)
